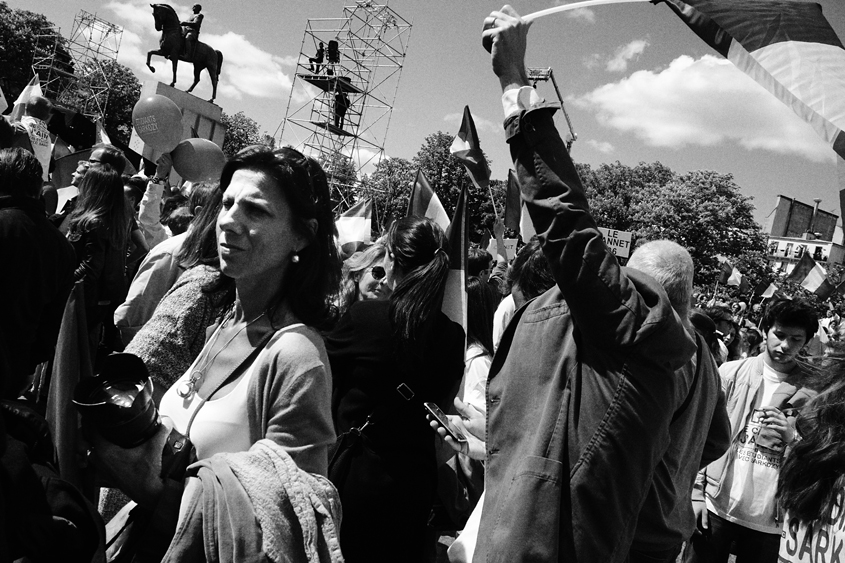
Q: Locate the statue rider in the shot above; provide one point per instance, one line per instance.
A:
(191, 31)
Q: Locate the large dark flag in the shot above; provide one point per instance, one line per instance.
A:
(787, 47)
(425, 203)
(466, 148)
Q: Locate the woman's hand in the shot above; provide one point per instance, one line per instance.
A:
(135, 471)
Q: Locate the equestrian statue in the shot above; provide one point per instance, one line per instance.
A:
(179, 42)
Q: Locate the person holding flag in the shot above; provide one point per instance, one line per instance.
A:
(583, 386)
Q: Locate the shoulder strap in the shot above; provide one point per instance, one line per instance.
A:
(698, 358)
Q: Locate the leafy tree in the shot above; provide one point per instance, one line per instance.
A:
(124, 91)
(241, 132)
(389, 188)
(18, 42)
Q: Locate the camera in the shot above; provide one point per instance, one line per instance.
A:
(118, 401)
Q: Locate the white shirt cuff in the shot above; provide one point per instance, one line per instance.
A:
(516, 100)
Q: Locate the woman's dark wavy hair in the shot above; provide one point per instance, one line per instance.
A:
(812, 478)
(101, 203)
(200, 246)
(482, 300)
(420, 250)
(310, 284)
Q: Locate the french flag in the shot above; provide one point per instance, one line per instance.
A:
(354, 227)
(455, 296)
(811, 277)
(425, 203)
(787, 47)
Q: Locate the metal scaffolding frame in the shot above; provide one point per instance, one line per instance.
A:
(93, 40)
(372, 41)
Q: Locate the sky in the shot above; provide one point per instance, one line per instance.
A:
(638, 85)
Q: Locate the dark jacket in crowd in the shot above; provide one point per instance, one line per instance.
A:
(37, 278)
(582, 387)
(388, 494)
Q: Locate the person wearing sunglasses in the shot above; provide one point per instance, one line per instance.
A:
(364, 277)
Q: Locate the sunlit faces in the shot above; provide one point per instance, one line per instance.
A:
(373, 283)
(255, 235)
(784, 342)
(78, 174)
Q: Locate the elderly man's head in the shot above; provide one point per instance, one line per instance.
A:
(38, 107)
(671, 265)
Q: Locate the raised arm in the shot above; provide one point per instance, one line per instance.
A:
(613, 306)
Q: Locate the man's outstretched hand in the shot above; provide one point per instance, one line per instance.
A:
(505, 36)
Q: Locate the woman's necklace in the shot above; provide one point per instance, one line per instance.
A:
(187, 388)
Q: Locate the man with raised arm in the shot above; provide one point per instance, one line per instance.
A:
(582, 389)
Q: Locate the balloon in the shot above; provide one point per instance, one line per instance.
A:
(198, 159)
(158, 121)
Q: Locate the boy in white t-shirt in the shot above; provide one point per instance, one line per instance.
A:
(735, 501)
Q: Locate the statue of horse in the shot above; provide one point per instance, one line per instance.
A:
(172, 46)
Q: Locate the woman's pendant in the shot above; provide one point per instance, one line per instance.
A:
(188, 388)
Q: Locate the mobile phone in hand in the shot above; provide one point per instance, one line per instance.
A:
(444, 421)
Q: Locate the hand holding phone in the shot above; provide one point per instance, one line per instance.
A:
(441, 418)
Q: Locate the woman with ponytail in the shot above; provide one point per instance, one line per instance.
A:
(387, 359)
(811, 487)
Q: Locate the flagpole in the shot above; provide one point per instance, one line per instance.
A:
(575, 6)
(493, 201)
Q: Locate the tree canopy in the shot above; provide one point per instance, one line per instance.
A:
(124, 91)
(241, 132)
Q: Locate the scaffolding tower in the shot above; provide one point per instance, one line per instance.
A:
(72, 73)
(339, 109)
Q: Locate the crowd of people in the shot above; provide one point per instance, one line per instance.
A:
(599, 413)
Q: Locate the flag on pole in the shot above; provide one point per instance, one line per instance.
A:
(354, 226)
(787, 47)
(811, 277)
(526, 225)
(765, 289)
(31, 89)
(513, 203)
(455, 296)
(729, 274)
(467, 149)
(4, 105)
(425, 203)
(102, 136)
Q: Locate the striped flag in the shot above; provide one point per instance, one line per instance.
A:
(31, 89)
(425, 203)
(769, 292)
(467, 149)
(787, 47)
(729, 274)
(811, 277)
(102, 136)
(513, 203)
(526, 225)
(455, 296)
(354, 226)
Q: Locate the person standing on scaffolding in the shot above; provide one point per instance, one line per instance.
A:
(191, 31)
(341, 104)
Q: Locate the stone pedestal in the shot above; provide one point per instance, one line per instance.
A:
(199, 119)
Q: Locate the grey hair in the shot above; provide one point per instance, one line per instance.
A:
(671, 265)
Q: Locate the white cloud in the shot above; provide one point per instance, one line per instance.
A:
(619, 61)
(481, 124)
(601, 146)
(704, 102)
(592, 61)
(583, 14)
